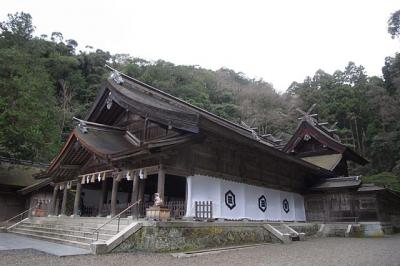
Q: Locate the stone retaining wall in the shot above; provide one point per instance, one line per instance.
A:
(185, 236)
(372, 229)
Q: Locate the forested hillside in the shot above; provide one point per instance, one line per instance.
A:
(45, 81)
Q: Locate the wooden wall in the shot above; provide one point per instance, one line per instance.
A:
(231, 160)
(11, 204)
(389, 207)
(341, 206)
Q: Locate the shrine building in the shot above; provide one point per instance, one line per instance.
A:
(137, 141)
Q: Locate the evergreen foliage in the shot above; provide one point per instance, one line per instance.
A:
(44, 82)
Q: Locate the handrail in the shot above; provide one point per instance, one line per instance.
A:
(119, 217)
(21, 214)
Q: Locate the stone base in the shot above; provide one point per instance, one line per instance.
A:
(158, 213)
(39, 213)
(186, 236)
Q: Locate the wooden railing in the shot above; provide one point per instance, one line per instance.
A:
(203, 209)
(177, 207)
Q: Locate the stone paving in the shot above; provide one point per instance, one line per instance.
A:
(15, 242)
(318, 251)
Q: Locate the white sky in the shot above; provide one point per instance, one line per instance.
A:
(279, 41)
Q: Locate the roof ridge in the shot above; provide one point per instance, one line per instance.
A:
(163, 93)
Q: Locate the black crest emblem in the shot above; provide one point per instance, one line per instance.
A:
(285, 205)
(230, 200)
(262, 203)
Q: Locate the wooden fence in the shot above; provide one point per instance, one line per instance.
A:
(177, 208)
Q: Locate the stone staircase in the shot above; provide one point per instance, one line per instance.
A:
(69, 231)
(335, 230)
(284, 232)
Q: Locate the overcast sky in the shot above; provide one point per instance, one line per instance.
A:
(279, 41)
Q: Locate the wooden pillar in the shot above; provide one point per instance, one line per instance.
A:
(77, 198)
(57, 207)
(146, 123)
(103, 196)
(142, 183)
(52, 210)
(114, 197)
(141, 189)
(135, 193)
(161, 183)
(135, 189)
(64, 200)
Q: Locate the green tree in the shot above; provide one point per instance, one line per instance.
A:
(394, 24)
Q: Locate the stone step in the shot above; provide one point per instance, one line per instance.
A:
(78, 239)
(88, 225)
(81, 233)
(338, 230)
(69, 231)
(80, 221)
(282, 229)
(107, 229)
(56, 240)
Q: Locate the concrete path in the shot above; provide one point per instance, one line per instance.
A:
(318, 251)
(12, 242)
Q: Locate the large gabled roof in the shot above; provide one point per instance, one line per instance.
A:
(120, 93)
(158, 105)
(310, 127)
(166, 109)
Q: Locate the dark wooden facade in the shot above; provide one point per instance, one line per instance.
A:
(348, 200)
(133, 126)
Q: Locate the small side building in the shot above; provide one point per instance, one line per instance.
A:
(18, 189)
(347, 199)
(342, 198)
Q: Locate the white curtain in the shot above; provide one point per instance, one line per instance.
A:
(232, 200)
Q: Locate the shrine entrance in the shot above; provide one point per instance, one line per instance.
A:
(174, 194)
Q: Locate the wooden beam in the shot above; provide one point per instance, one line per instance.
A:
(70, 166)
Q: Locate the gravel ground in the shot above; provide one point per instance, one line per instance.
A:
(323, 251)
